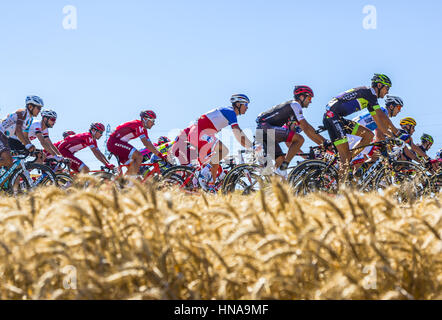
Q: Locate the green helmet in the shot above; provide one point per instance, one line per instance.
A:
(427, 137)
(381, 78)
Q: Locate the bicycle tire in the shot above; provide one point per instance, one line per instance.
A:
(47, 176)
(411, 179)
(178, 176)
(22, 184)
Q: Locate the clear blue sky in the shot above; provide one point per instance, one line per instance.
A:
(183, 58)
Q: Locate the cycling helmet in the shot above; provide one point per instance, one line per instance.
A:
(241, 98)
(148, 114)
(381, 78)
(97, 126)
(439, 154)
(302, 90)
(35, 100)
(407, 120)
(49, 114)
(68, 133)
(163, 139)
(427, 137)
(393, 100)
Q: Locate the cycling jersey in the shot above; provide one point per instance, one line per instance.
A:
(367, 120)
(130, 130)
(77, 142)
(354, 100)
(282, 113)
(217, 119)
(20, 118)
(33, 130)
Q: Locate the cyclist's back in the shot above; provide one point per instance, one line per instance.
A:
(354, 100)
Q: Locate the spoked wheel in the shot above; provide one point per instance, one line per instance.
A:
(181, 177)
(18, 183)
(64, 180)
(244, 180)
(412, 181)
(41, 174)
(312, 176)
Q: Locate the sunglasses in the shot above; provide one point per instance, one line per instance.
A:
(147, 119)
(53, 119)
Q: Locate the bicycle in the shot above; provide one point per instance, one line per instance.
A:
(24, 176)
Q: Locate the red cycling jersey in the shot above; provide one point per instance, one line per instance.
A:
(130, 130)
(77, 142)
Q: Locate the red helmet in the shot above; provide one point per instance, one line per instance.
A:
(303, 90)
(68, 133)
(97, 126)
(148, 114)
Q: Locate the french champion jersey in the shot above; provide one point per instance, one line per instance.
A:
(282, 113)
(221, 118)
(354, 100)
(367, 120)
(20, 118)
(77, 142)
(130, 130)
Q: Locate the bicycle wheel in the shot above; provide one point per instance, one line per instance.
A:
(18, 183)
(409, 177)
(179, 176)
(312, 176)
(245, 180)
(63, 180)
(41, 174)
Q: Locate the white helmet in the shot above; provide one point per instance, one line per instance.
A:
(49, 114)
(35, 100)
(389, 100)
(242, 98)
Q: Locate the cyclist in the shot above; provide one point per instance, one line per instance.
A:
(201, 136)
(393, 106)
(40, 130)
(74, 143)
(271, 125)
(15, 124)
(408, 125)
(126, 153)
(163, 144)
(348, 103)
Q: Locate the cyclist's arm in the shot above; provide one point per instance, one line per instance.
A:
(100, 156)
(419, 151)
(149, 145)
(241, 137)
(19, 132)
(384, 123)
(310, 132)
(410, 154)
(47, 144)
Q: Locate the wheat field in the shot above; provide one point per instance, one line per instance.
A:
(100, 243)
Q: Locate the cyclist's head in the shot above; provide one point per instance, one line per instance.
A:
(240, 102)
(303, 95)
(68, 133)
(427, 141)
(162, 140)
(381, 83)
(49, 117)
(34, 105)
(148, 118)
(408, 124)
(393, 104)
(97, 129)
